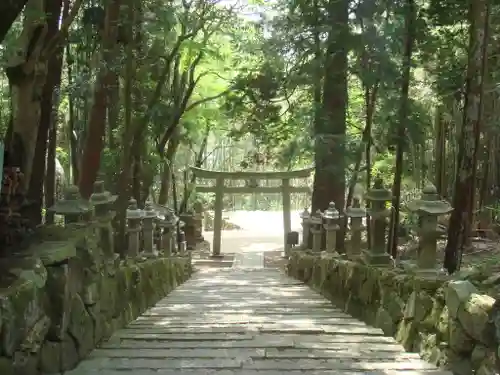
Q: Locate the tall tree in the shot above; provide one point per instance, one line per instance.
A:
(401, 130)
(94, 142)
(330, 131)
(465, 179)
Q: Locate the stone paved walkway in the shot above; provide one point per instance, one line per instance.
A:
(249, 322)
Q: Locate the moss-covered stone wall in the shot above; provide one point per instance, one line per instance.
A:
(59, 299)
(449, 322)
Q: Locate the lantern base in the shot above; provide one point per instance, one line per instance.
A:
(377, 259)
(431, 272)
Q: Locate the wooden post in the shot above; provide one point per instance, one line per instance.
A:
(287, 224)
(219, 194)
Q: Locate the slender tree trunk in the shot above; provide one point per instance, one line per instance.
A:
(73, 141)
(49, 101)
(465, 180)
(200, 157)
(128, 132)
(168, 168)
(50, 179)
(94, 142)
(137, 171)
(370, 99)
(113, 109)
(440, 149)
(392, 246)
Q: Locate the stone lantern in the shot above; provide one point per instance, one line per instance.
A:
(429, 207)
(159, 220)
(378, 197)
(148, 227)
(198, 221)
(331, 218)
(102, 200)
(316, 223)
(356, 215)
(305, 216)
(134, 218)
(72, 207)
(181, 237)
(170, 233)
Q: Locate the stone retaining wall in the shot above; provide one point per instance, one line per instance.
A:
(59, 299)
(447, 321)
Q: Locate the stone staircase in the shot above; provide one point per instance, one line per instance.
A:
(245, 321)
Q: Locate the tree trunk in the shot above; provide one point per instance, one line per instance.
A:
(94, 142)
(166, 176)
(189, 185)
(50, 179)
(49, 104)
(137, 171)
(123, 185)
(113, 109)
(26, 80)
(392, 246)
(329, 179)
(73, 141)
(465, 180)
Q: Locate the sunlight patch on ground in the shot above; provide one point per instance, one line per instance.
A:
(262, 221)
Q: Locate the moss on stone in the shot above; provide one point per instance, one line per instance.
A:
(409, 307)
(52, 315)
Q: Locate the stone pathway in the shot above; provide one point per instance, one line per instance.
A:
(249, 322)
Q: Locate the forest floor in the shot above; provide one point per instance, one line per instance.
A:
(481, 253)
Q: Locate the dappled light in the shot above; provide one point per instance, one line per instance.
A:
(243, 320)
(249, 187)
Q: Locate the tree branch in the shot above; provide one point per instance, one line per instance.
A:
(207, 99)
(63, 31)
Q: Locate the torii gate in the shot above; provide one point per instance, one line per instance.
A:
(252, 179)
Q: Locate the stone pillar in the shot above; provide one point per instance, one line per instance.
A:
(378, 197)
(316, 224)
(305, 216)
(189, 229)
(171, 232)
(198, 221)
(168, 244)
(331, 218)
(158, 234)
(72, 207)
(429, 207)
(181, 238)
(103, 201)
(134, 217)
(356, 215)
(148, 228)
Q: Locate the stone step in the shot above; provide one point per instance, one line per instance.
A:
(242, 322)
